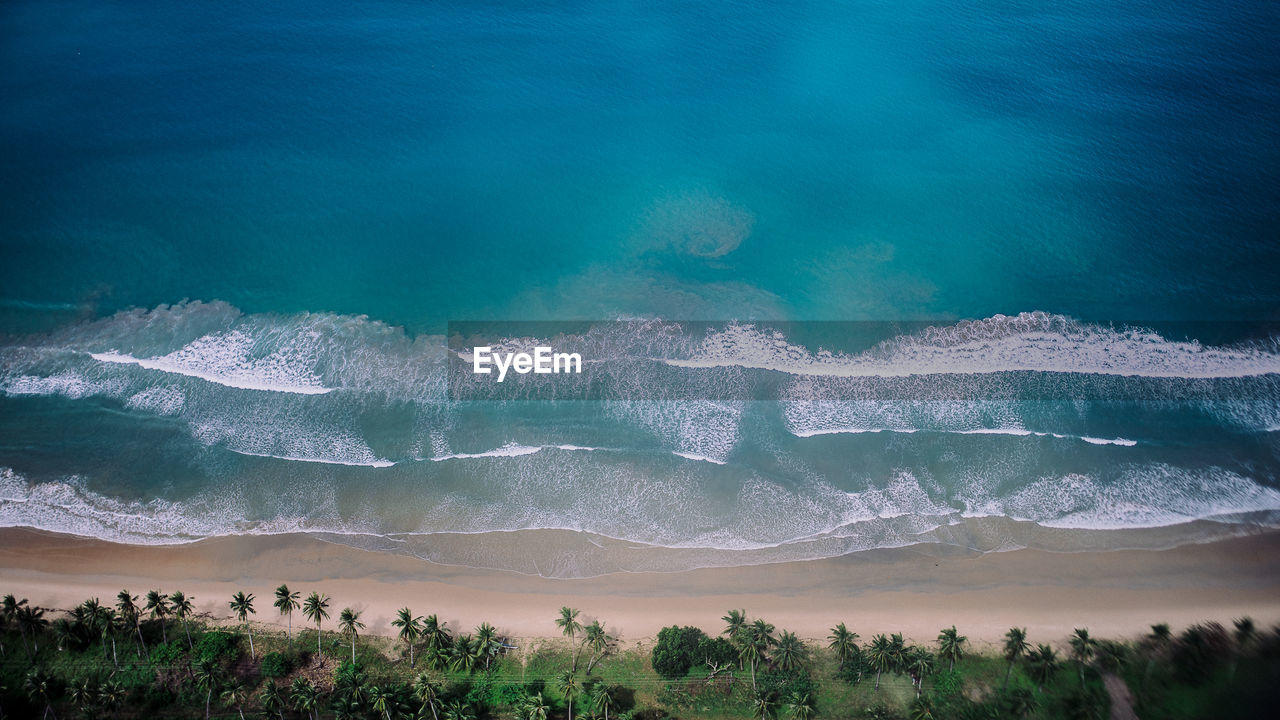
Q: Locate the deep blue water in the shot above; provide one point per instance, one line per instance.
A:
(337, 181)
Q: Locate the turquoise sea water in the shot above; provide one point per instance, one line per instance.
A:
(233, 237)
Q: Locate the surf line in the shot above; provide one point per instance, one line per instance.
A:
(543, 361)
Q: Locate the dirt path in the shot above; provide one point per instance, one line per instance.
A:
(1121, 698)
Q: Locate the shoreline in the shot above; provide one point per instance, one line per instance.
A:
(916, 591)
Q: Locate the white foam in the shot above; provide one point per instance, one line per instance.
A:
(325, 461)
(508, 450)
(161, 400)
(225, 368)
(695, 456)
(1034, 341)
(1018, 432)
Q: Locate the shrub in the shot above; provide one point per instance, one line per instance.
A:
(217, 645)
(716, 650)
(274, 665)
(676, 651)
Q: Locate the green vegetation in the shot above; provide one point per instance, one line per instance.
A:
(96, 661)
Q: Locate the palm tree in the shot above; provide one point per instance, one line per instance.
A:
(919, 664)
(436, 638)
(1083, 649)
(1015, 644)
(922, 709)
(271, 700)
(598, 640)
(183, 608)
(880, 653)
(568, 685)
(31, 621)
(801, 706)
(127, 606)
(316, 608)
(791, 651)
(111, 695)
(242, 605)
(756, 640)
(208, 678)
(569, 626)
(234, 695)
(410, 629)
(1159, 640)
(158, 606)
(9, 611)
(1022, 703)
(951, 646)
(84, 695)
(286, 602)
(487, 644)
(349, 622)
(602, 698)
(39, 688)
(304, 696)
(466, 653)
(427, 691)
(535, 708)
(459, 710)
(842, 641)
(735, 621)
(764, 706)
(382, 700)
(1044, 663)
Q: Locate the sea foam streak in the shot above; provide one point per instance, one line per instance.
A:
(234, 373)
(1036, 342)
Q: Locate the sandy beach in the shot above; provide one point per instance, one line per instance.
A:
(914, 591)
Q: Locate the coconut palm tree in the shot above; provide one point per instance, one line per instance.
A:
(127, 606)
(487, 643)
(32, 623)
(234, 694)
(83, 693)
(1083, 648)
(427, 691)
(919, 664)
(843, 642)
(534, 708)
(1021, 703)
(1015, 645)
(1159, 641)
(39, 687)
(435, 634)
(158, 606)
(1043, 663)
(349, 622)
(602, 698)
(569, 627)
(209, 679)
(922, 709)
(316, 608)
(595, 637)
(459, 710)
(951, 646)
(183, 608)
(880, 653)
(801, 705)
(305, 697)
(382, 700)
(242, 606)
(271, 700)
(735, 620)
(568, 685)
(286, 602)
(790, 652)
(410, 629)
(764, 707)
(111, 695)
(9, 612)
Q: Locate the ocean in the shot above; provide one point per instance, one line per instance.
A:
(846, 276)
